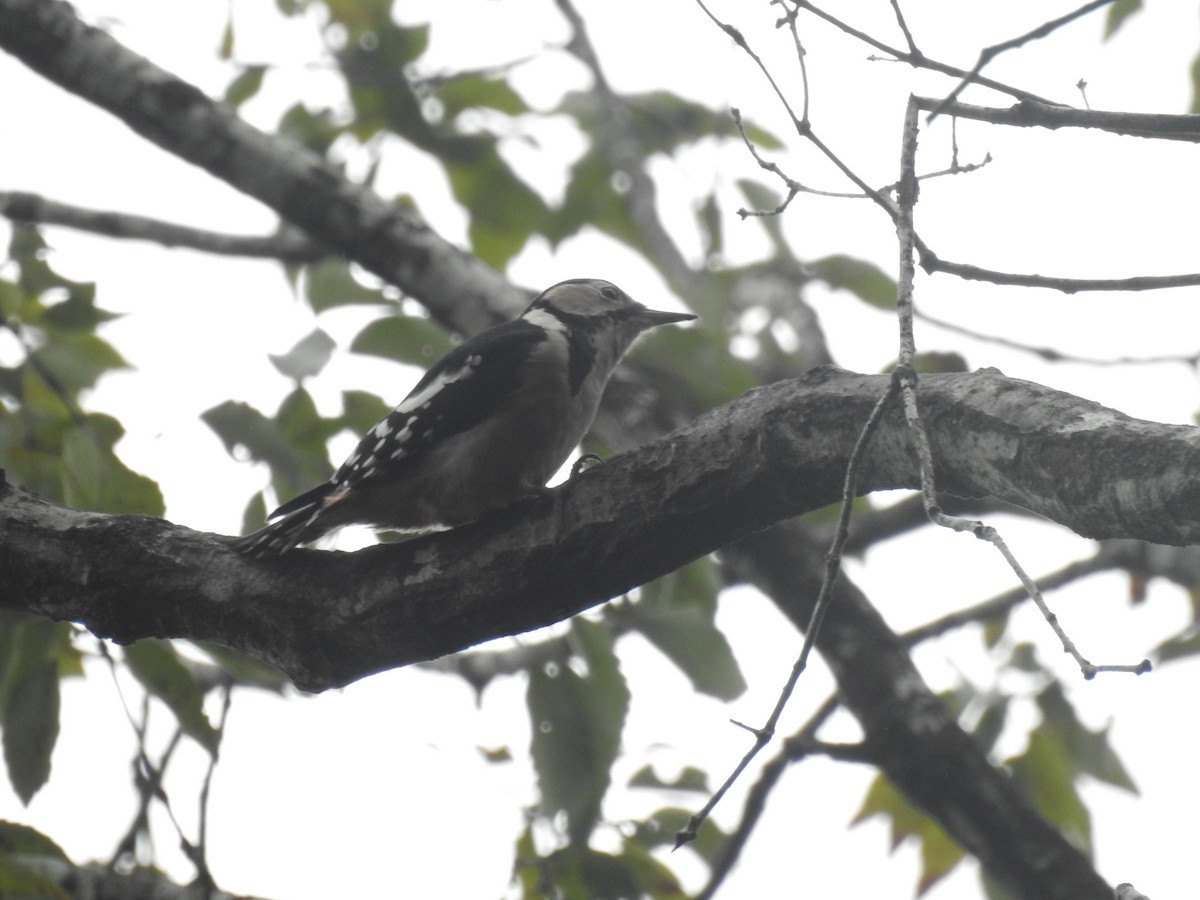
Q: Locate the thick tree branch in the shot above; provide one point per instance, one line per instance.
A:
(1037, 114)
(390, 240)
(329, 618)
(909, 733)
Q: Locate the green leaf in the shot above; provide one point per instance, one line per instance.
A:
(306, 358)
(504, 210)
(676, 614)
(245, 670)
(661, 829)
(245, 85)
(405, 339)
(939, 852)
(268, 440)
(1089, 751)
(590, 200)
(95, 479)
(690, 779)
(675, 355)
(863, 279)
(1178, 646)
(577, 721)
(1194, 72)
(361, 410)
(17, 839)
(471, 90)
(1045, 772)
(30, 717)
(330, 284)
(76, 360)
(1118, 13)
(157, 666)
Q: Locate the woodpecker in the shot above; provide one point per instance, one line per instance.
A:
(488, 424)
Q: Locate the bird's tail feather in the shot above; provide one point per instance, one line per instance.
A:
(297, 525)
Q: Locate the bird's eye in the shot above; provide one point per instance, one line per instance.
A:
(608, 292)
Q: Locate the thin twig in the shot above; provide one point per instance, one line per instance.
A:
(917, 59)
(907, 376)
(794, 749)
(989, 53)
(833, 560)
(932, 263)
(1053, 354)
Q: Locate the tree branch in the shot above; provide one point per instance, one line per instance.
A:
(327, 619)
(909, 733)
(34, 209)
(388, 239)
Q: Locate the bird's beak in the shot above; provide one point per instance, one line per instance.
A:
(652, 318)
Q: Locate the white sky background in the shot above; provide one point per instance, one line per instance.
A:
(380, 790)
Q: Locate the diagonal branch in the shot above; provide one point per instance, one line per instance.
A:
(327, 619)
(387, 239)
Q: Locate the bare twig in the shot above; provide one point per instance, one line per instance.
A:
(795, 748)
(932, 263)
(916, 58)
(907, 376)
(833, 560)
(1053, 354)
(989, 53)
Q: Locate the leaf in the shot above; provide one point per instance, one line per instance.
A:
(266, 440)
(675, 355)
(26, 841)
(1045, 773)
(330, 284)
(361, 410)
(1179, 646)
(1118, 13)
(307, 358)
(95, 479)
(676, 614)
(245, 670)
(504, 210)
(245, 86)
(661, 829)
(939, 852)
(1090, 751)
(76, 360)
(30, 717)
(157, 666)
(577, 721)
(471, 90)
(690, 779)
(405, 339)
(863, 279)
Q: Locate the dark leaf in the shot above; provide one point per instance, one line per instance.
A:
(329, 284)
(939, 853)
(157, 666)
(676, 614)
(245, 85)
(406, 339)
(863, 279)
(30, 718)
(1046, 774)
(577, 721)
